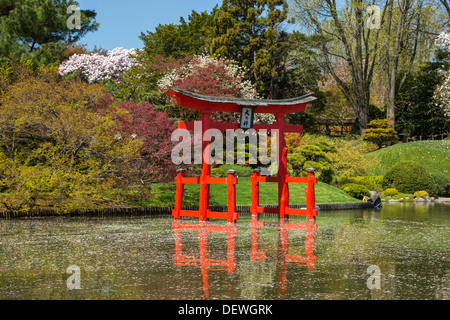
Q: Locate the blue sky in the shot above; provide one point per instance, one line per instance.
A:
(121, 22)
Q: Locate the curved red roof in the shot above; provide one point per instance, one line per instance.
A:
(200, 102)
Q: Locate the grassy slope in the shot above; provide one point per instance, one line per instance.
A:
(268, 194)
(434, 155)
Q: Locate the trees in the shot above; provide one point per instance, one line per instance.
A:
(209, 76)
(380, 133)
(152, 129)
(311, 156)
(212, 77)
(442, 92)
(28, 24)
(418, 106)
(96, 67)
(406, 41)
(298, 72)
(58, 145)
(165, 49)
(180, 40)
(349, 39)
(345, 42)
(446, 5)
(140, 83)
(246, 31)
(338, 111)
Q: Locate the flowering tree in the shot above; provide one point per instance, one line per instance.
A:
(99, 67)
(209, 76)
(442, 93)
(153, 129)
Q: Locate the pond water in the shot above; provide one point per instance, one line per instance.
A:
(400, 252)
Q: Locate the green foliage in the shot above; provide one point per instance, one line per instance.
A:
(139, 84)
(356, 191)
(28, 24)
(380, 123)
(390, 192)
(165, 49)
(370, 182)
(246, 31)
(442, 181)
(48, 177)
(433, 155)
(58, 145)
(417, 112)
(326, 146)
(347, 155)
(305, 78)
(241, 171)
(340, 158)
(179, 40)
(217, 173)
(409, 177)
(380, 134)
(296, 160)
(399, 196)
(421, 194)
(311, 156)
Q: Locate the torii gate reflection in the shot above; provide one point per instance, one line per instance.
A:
(204, 229)
(284, 258)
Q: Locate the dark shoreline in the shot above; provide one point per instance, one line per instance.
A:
(163, 211)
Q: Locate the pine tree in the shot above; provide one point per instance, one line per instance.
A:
(32, 23)
(246, 31)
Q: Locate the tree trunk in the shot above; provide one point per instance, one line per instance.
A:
(363, 119)
(390, 105)
(409, 16)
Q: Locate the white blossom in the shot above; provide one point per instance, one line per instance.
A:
(247, 89)
(442, 93)
(96, 67)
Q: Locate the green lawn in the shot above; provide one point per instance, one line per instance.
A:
(165, 195)
(433, 155)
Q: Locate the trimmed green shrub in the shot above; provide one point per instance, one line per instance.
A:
(403, 196)
(421, 194)
(217, 173)
(241, 170)
(390, 192)
(409, 177)
(370, 182)
(311, 156)
(442, 183)
(355, 190)
(380, 133)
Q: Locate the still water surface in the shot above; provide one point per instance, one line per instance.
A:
(155, 258)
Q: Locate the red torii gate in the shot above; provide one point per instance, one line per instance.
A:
(206, 105)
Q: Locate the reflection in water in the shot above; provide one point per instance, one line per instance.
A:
(133, 258)
(285, 258)
(205, 229)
